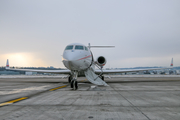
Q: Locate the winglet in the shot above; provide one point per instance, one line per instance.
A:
(171, 63)
(7, 64)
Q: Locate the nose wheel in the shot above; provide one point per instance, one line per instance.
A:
(74, 84)
(73, 80)
(69, 79)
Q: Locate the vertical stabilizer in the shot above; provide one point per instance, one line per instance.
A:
(7, 64)
(171, 63)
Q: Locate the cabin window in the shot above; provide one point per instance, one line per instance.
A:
(69, 47)
(78, 47)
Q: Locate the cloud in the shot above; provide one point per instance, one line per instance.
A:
(138, 29)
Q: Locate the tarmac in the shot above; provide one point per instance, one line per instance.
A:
(126, 98)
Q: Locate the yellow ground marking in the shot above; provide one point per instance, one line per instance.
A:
(83, 80)
(57, 88)
(64, 86)
(13, 101)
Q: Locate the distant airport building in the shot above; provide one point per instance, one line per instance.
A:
(30, 73)
(178, 72)
(9, 73)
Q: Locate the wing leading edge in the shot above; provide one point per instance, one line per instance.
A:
(41, 71)
(132, 70)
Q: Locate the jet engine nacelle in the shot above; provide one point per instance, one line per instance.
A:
(101, 61)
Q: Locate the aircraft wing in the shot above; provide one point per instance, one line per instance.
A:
(37, 70)
(128, 70)
(132, 70)
(42, 71)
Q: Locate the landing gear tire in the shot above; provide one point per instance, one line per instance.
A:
(102, 78)
(69, 79)
(74, 84)
(72, 79)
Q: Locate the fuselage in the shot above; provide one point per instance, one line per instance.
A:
(77, 57)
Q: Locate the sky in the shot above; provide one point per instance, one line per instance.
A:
(34, 33)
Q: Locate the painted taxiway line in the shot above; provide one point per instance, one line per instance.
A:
(23, 98)
(64, 86)
(58, 88)
(13, 101)
(83, 80)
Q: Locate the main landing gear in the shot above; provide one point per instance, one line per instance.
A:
(101, 74)
(73, 81)
(102, 77)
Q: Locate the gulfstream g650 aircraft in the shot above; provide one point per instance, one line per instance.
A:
(78, 58)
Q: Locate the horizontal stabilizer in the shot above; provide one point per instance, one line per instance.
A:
(100, 46)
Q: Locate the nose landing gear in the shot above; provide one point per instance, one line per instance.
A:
(70, 79)
(74, 84)
(73, 80)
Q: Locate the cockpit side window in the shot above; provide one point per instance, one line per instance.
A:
(86, 48)
(78, 47)
(69, 47)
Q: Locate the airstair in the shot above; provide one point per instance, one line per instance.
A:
(93, 78)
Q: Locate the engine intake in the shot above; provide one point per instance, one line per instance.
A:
(101, 61)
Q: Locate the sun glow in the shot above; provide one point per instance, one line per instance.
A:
(22, 60)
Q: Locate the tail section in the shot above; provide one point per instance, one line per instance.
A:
(7, 64)
(171, 63)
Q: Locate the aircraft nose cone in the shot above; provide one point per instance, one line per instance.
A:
(69, 56)
(71, 65)
(69, 61)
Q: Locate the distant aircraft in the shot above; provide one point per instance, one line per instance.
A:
(78, 58)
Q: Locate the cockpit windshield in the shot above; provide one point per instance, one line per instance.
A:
(69, 47)
(79, 47)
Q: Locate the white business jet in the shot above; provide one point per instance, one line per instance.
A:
(79, 61)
